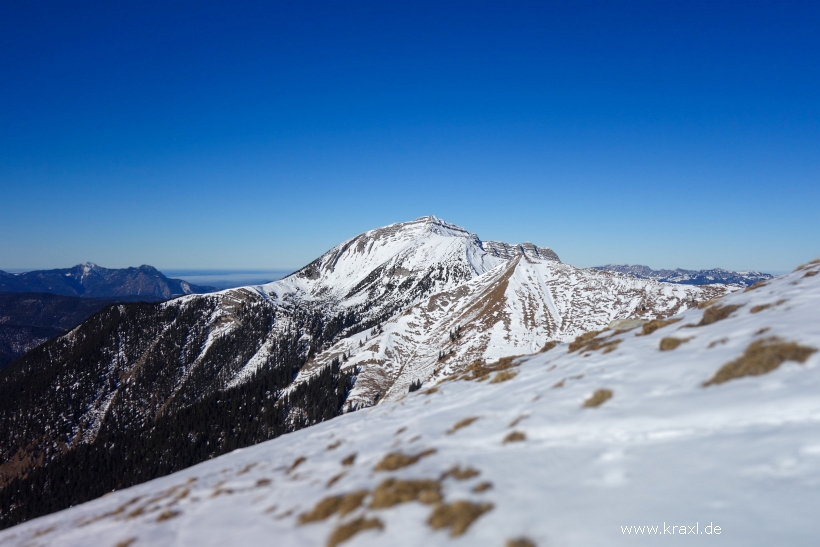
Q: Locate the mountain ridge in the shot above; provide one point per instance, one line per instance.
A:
(689, 277)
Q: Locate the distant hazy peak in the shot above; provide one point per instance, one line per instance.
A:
(689, 277)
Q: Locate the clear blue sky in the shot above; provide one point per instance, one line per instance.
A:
(257, 135)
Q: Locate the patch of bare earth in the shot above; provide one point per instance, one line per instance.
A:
(515, 437)
(394, 491)
(598, 398)
(345, 531)
(656, 324)
(397, 460)
(457, 516)
(461, 423)
(761, 357)
(460, 474)
(331, 505)
(548, 346)
(713, 314)
(670, 342)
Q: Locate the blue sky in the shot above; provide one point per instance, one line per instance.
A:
(257, 135)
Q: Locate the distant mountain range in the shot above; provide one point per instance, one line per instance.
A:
(39, 305)
(689, 277)
(91, 281)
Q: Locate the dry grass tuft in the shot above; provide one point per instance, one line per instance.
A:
(460, 474)
(670, 342)
(519, 542)
(349, 460)
(515, 437)
(167, 515)
(263, 482)
(457, 516)
(559, 384)
(598, 398)
(717, 313)
(764, 330)
(807, 264)
(431, 390)
(760, 357)
(401, 430)
(589, 342)
(760, 308)
(758, 285)
(394, 491)
(397, 460)
(549, 345)
(296, 463)
(503, 376)
(335, 445)
(331, 505)
(482, 487)
(518, 420)
(714, 343)
(336, 478)
(582, 340)
(246, 469)
(479, 370)
(461, 423)
(810, 273)
(656, 324)
(344, 532)
(126, 542)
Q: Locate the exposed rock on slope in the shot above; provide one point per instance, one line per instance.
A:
(584, 444)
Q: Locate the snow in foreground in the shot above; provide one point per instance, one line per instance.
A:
(535, 464)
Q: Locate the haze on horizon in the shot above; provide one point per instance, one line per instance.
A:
(248, 136)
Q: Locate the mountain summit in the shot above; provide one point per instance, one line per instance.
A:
(158, 387)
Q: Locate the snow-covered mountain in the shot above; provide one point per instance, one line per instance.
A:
(690, 277)
(410, 302)
(705, 423)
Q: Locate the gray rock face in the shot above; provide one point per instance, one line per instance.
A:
(505, 250)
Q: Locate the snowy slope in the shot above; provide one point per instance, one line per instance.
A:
(671, 447)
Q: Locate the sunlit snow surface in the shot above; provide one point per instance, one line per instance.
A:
(743, 455)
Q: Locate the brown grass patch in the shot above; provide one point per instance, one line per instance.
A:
(589, 342)
(758, 285)
(331, 505)
(126, 542)
(397, 460)
(296, 463)
(518, 420)
(503, 376)
(167, 515)
(460, 474)
(810, 273)
(718, 313)
(479, 370)
(519, 542)
(598, 398)
(670, 342)
(349, 460)
(461, 423)
(431, 390)
(515, 437)
(246, 469)
(760, 357)
(345, 531)
(764, 330)
(401, 430)
(654, 325)
(394, 491)
(335, 445)
(559, 384)
(457, 516)
(263, 482)
(482, 487)
(716, 342)
(760, 308)
(707, 303)
(336, 478)
(548, 346)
